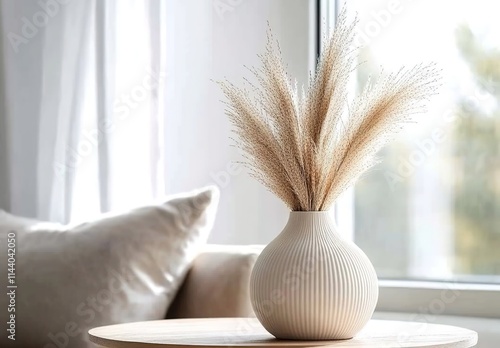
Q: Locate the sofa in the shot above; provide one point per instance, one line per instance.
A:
(146, 263)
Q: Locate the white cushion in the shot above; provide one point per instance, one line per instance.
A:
(119, 268)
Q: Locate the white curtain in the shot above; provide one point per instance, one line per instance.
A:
(81, 114)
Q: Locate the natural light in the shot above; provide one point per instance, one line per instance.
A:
(442, 219)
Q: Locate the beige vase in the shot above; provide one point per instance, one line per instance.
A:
(312, 284)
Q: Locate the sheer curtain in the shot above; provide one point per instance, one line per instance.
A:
(120, 160)
(81, 124)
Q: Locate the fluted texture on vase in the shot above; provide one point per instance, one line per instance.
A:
(309, 283)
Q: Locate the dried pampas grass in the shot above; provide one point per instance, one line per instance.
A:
(308, 147)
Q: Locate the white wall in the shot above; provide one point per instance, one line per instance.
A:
(211, 40)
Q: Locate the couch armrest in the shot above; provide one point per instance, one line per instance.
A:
(217, 284)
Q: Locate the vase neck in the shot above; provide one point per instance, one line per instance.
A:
(306, 222)
(323, 216)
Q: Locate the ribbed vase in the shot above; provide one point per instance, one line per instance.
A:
(312, 284)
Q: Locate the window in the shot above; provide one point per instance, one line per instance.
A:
(431, 210)
(427, 217)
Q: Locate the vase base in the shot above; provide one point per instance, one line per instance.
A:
(320, 341)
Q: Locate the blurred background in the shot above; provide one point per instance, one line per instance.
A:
(431, 209)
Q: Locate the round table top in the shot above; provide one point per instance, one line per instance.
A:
(248, 332)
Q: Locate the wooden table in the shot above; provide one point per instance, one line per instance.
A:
(247, 332)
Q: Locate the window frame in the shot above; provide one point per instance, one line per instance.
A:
(420, 298)
(424, 298)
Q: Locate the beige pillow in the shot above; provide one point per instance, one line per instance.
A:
(218, 283)
(119, 268)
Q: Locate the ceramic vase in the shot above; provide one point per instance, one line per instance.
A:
(310, 283)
